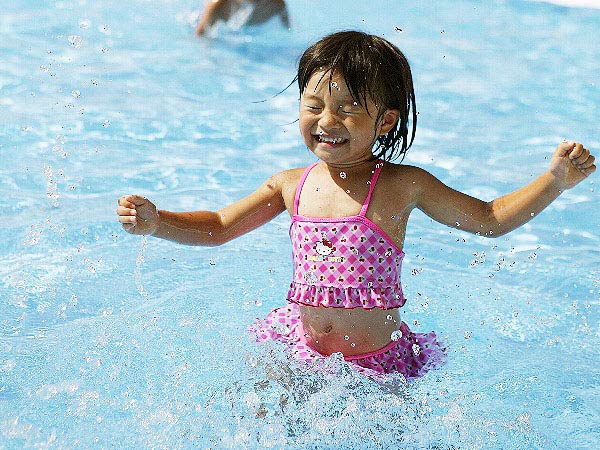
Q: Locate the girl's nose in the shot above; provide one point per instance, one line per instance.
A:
(328, 120)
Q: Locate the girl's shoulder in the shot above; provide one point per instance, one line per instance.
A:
(409, 180)
(286, 176)
(403, 173)
(290, 176)
(286, 181)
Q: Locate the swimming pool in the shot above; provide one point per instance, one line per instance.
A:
(109, 340)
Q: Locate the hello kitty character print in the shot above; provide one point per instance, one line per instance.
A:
(324, 247)
(346, 262)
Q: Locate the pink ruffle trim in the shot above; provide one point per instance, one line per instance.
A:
(412, 355)
(346, 297)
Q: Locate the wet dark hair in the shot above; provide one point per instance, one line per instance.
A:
(372, 68)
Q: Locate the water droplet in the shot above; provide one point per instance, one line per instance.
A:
(396, 335)
(468, 335)
(106, 123)
(416, 349)
(75, 41)
(532, 214)
(212, 262)
(335, 85)
(348, 191)
(343, 175)
(352, 344)
(346, 337)
(268, 204)
(389, 317)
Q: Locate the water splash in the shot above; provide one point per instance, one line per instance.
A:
(51, 186)
(137, 274)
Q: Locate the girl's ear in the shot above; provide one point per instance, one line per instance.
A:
(388, 120)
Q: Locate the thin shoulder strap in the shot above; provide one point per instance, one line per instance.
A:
(300, 184)
(374, 177)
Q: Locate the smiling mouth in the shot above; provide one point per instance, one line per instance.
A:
(330, 140)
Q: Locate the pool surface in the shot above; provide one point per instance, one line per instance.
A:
(114, 341)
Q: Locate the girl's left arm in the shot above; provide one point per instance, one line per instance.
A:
(571, 163)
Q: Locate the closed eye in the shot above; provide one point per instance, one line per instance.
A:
(347, 109)
(312, 108)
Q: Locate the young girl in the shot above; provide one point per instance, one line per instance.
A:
(349, 209)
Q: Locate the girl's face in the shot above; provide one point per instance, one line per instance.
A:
(334, 126)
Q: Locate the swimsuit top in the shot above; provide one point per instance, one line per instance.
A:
(344, 262)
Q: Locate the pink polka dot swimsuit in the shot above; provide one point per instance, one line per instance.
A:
(348, 262)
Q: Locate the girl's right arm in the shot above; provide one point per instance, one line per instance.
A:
(138, 215)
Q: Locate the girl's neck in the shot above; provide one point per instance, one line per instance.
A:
(354, 167)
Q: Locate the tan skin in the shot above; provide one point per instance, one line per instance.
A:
(222, 9)
(340, 133)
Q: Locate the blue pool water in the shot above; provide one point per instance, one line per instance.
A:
(111, 341)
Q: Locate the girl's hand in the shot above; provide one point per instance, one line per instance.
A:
(138, 215)
(570, 164)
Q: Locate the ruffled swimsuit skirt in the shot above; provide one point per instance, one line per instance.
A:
(412, 355)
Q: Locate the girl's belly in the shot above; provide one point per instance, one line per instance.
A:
(350, 331)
